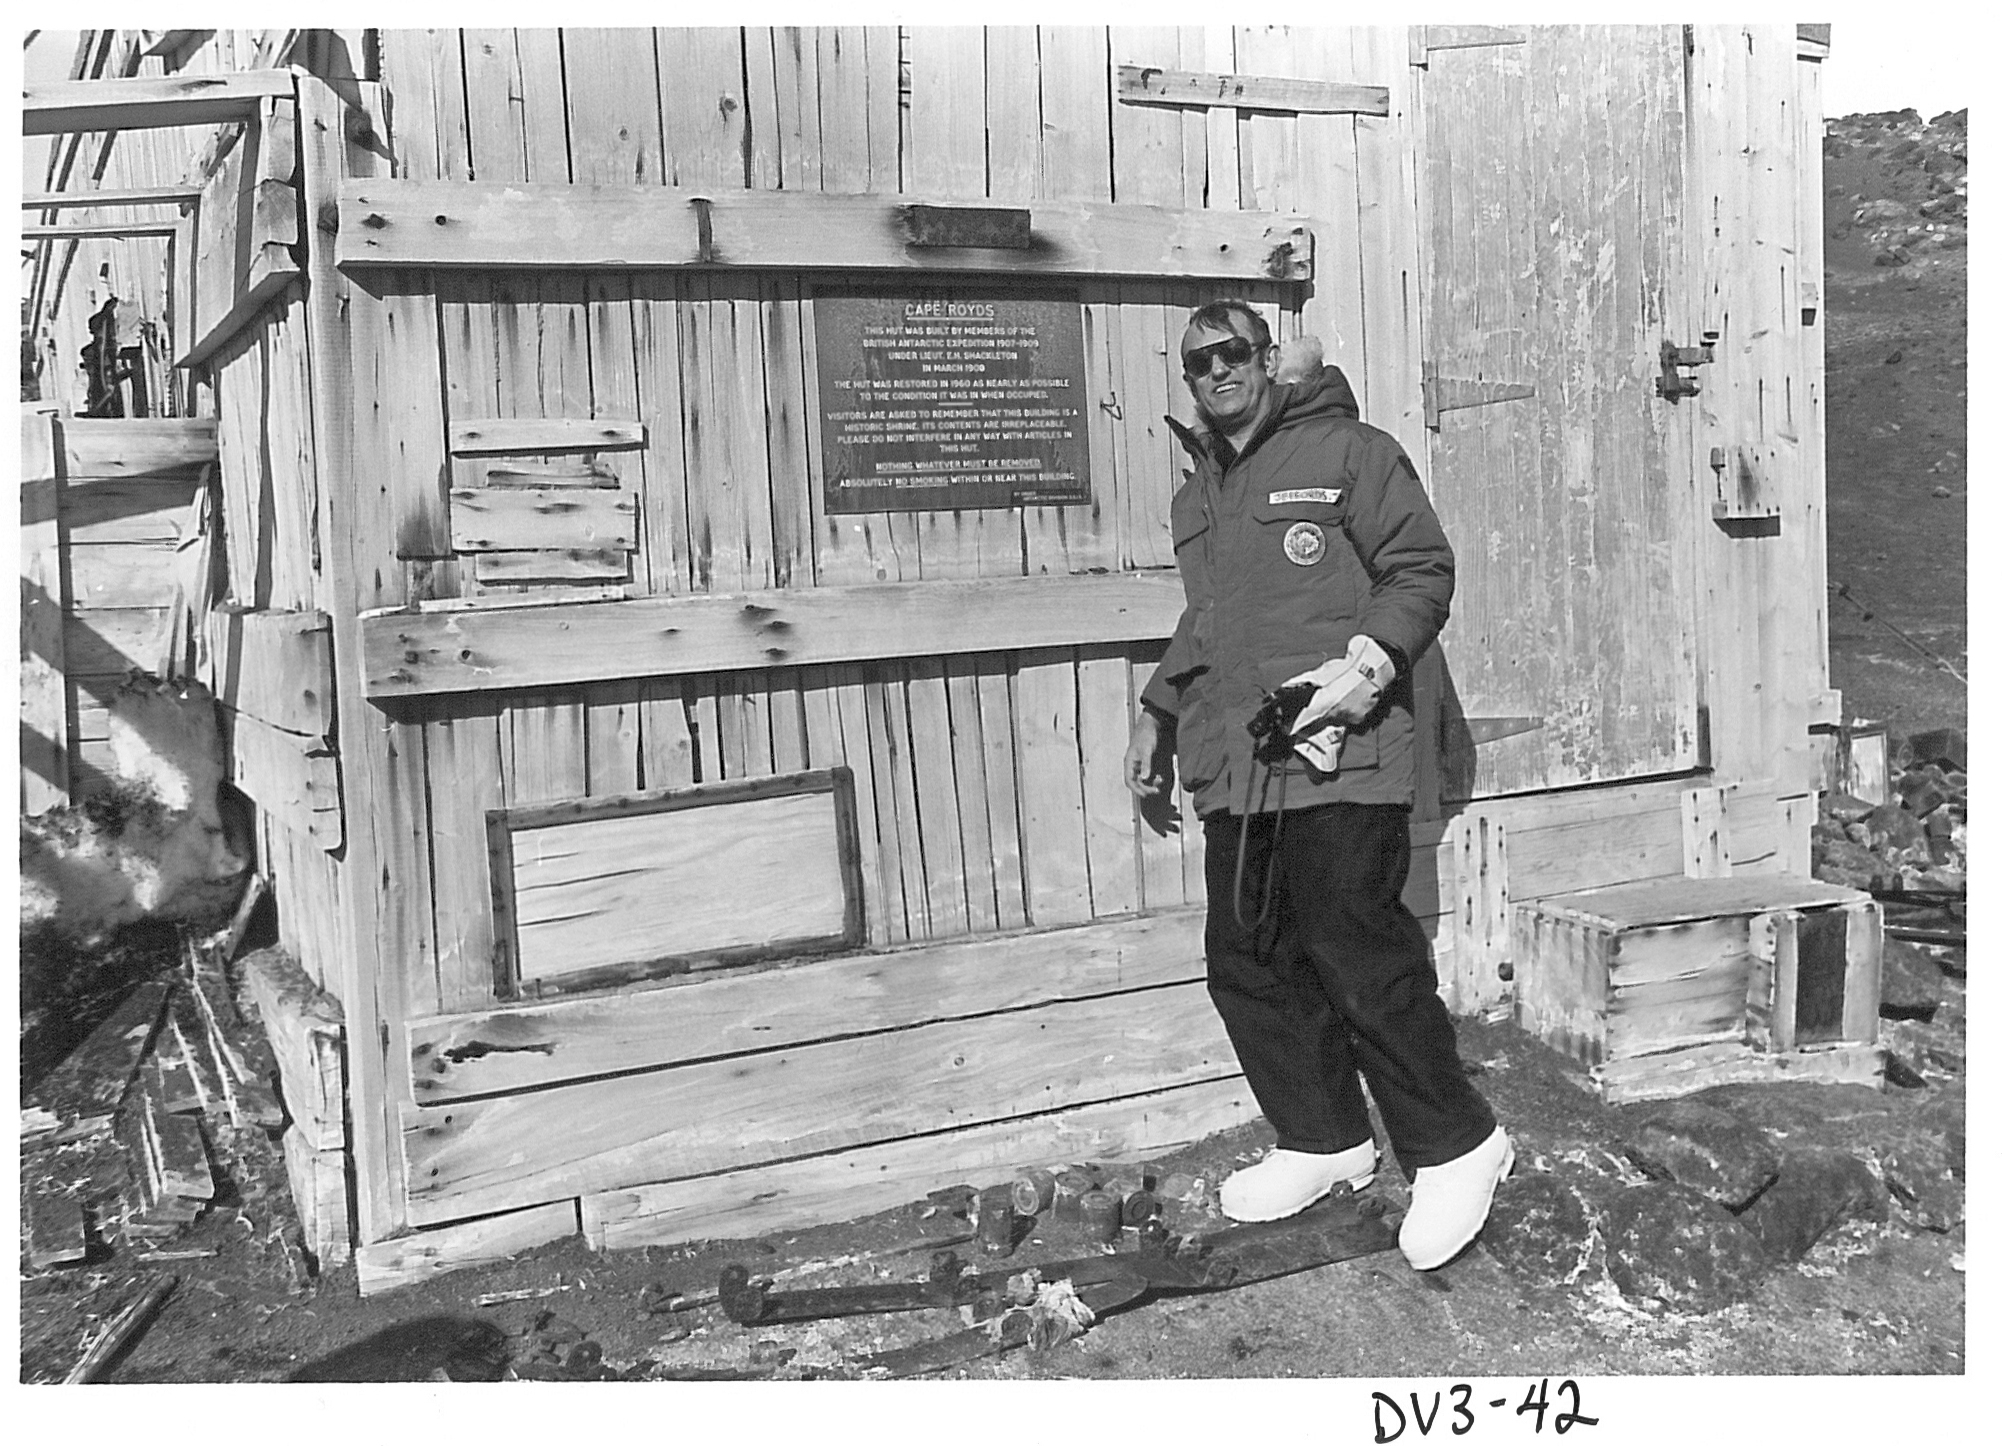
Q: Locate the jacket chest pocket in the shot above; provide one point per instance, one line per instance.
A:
(1300, 528)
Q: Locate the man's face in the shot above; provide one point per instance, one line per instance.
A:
(1230, 395)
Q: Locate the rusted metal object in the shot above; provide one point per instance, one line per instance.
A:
(995, 1227)
(1100, 1213)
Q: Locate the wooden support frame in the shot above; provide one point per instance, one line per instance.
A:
(624, 228)
(1152, 85)
(100, 231)
(131, 196)
(505, 824)
(409, 654)
(148, 102)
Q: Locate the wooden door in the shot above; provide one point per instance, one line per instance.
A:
(1551, 214)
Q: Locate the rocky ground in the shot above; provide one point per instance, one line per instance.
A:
(1794, 1229)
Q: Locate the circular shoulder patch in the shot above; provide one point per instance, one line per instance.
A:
(1305, 544)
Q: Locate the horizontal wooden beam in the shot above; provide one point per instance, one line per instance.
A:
(409, 654)
(473, 1157)
(476, 436)
(826, 1188)
(412, 1259)
(146, 102)
(133, 196)
(449, 223)
(1151, 85)
(139, 447)
(98, 231)
(532, 1046)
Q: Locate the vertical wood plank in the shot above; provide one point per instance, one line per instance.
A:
(463, 746)
(935, 793)
(667, 749)
(45, 732)
(947, 157)
(791, 476)
(896, 821)
(1110, 818)
(1161, 834)
(1054, 863)
(1004, 821)
(702, 105)
(613, 107)
(882, 890)
(969, 768)
(384, 932)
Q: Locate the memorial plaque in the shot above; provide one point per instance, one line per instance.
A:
(949, 399)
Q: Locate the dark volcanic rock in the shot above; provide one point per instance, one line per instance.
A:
(1668, 1243)
(1912, 987)
(1891, 827)
(1846, 807)
(1818, 1188)
(1940, 745)
(1920, 1172)
(1707, 1149)
(1839, 861)
(1540, 1228)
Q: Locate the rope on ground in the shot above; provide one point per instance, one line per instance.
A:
(1871, 615)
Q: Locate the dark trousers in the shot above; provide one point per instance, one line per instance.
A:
(1338, 979)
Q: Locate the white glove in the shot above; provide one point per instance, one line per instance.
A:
(1346, 688)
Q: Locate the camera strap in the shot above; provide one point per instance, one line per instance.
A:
(1271, 859)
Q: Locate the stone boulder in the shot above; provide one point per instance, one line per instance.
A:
(1668, 1243)
(1706, 1149)
(1819, 1187)
(1541, 1228)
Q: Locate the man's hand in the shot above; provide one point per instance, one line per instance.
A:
(1346, 688)
(1145, 777)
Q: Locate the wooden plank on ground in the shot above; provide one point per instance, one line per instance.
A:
(435, 652)
(796, 1193)
(530, 1046)
(600, 228)
(93, 1079)
(475, 1156)
(410, 1259)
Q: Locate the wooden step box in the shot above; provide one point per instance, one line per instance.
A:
(1674, 985)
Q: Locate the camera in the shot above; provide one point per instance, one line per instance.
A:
(1271, 727)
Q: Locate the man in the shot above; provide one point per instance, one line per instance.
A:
(1310, 554)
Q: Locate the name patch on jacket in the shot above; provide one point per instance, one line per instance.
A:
(1304, 494)
(1305, 544)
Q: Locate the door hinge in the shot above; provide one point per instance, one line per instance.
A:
(1672, 384)
(1452, 394)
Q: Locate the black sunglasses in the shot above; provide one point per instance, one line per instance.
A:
(1235, 353)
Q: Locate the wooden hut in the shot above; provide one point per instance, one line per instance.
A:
(696, 516)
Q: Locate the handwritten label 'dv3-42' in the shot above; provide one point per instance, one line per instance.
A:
(1460, 1412)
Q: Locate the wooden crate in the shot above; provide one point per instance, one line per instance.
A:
(1673, 985)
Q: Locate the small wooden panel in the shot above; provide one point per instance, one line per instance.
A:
(671, 879)
(1151, 85)
(295, 777)
(504, 519)
(1701, 1067)
(320, 1189)
(137, 447)
(305, 1027)
(419, 223)
(494, 1051)
(276, 667)
(796, 1193)
(409, 1259)
(141, 102)
(573, 564)
(410, 654)
(476, 1156)
(479, 435)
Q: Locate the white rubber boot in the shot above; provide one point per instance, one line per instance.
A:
(1286, 1182)
(1450, 1202)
